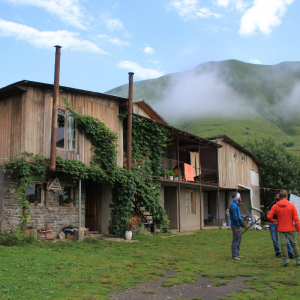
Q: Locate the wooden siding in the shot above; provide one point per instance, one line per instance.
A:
(25, 123)
(11, 120)
(139, 111)
(234, 171)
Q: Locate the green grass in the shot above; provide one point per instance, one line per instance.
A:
(94, 268)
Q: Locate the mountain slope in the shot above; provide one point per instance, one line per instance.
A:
(266, 96)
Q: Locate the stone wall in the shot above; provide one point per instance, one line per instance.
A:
(48, 215)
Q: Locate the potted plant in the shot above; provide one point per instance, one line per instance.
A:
(180, 176)
(171, 174)
(128, 232)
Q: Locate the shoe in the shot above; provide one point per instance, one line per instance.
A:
(291, 256)
(236, 258)
(286, 264)
(278, 255)
(241, 257)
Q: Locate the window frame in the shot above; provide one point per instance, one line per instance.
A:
(66, 133)
(72, 195)
(194, 202)
(243, 157)
(234, 155)
(42, 199)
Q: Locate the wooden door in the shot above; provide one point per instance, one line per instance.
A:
(92, 212)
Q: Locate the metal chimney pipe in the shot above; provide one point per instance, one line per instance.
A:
(129, 125)
(52, 166)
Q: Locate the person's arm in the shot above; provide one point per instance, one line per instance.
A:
(240, 218)
(233, 215)
(271, 214)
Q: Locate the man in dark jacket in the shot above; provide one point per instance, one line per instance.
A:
(236, 226)
(274, 234)
(287, 216)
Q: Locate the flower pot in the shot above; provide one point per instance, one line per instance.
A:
(128, 235)
(180, 179)
(171, 177)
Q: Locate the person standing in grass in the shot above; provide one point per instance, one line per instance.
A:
(274, 234)
(236, 226)
(286, 217)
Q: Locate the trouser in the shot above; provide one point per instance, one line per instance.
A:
(236, 240)
(274, 235)
(293, 240)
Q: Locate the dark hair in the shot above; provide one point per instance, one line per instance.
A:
(234, 194)
(275, 194)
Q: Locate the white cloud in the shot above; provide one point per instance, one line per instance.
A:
(191, 9)
(255, 61)
(149, 50)
(47, 39)
(139, 71)
(111, 24)
(69, 11)
(113, 40)
(264, 15)
(239, 5)
(223, 2)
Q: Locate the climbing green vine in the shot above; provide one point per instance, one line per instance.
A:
(149, 142)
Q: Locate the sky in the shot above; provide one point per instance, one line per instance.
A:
(103, 40)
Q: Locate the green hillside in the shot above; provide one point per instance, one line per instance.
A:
(266, 89)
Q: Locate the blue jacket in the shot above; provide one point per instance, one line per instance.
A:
(235, 214)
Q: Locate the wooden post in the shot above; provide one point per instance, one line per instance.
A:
(79, 211)
(200, 191)
(178, 187)
(218, 206)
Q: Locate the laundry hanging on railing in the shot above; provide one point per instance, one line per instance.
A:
(188, 172)
(194, 158)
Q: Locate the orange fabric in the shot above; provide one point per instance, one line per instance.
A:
(189, 172)
(286, 213)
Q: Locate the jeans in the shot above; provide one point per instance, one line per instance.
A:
(274, 235)
(236, 240)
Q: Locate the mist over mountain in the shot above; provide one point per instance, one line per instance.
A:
(228, 97)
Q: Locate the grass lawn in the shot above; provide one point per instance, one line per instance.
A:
(93, 268)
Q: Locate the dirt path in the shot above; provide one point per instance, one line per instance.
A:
(202, 289)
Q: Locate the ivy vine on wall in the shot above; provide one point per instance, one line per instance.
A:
(148, 144)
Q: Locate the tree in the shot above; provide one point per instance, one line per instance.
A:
(281, 169)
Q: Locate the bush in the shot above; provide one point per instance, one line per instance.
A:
(17, 238)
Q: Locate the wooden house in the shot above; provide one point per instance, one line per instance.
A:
(211, 169)
(25, 125)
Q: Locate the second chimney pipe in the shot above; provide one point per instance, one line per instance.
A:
(52, 166)
(129, 124)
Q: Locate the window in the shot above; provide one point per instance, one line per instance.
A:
(66, 132)
(234, 155)
(66, 196)
(243, 157)
(34, 193)
(190, 202)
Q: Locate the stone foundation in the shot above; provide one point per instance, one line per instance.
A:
(49, 214)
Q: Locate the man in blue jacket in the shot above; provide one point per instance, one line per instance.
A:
(236, 226)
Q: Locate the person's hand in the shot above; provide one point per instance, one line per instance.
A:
(275, 222)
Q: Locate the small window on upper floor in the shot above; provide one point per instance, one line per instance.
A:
(234, 155)
(243, 157)
(66, 131)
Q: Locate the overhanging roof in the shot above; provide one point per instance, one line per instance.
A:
(22, 86)
(150, 111)
(185, 134)
(237, 146)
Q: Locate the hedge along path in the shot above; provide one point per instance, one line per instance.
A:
(148, 142)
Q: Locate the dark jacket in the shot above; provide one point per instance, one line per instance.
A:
(235, 214)
(270, 207)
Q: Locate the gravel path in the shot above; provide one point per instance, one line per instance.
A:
(202, 289)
